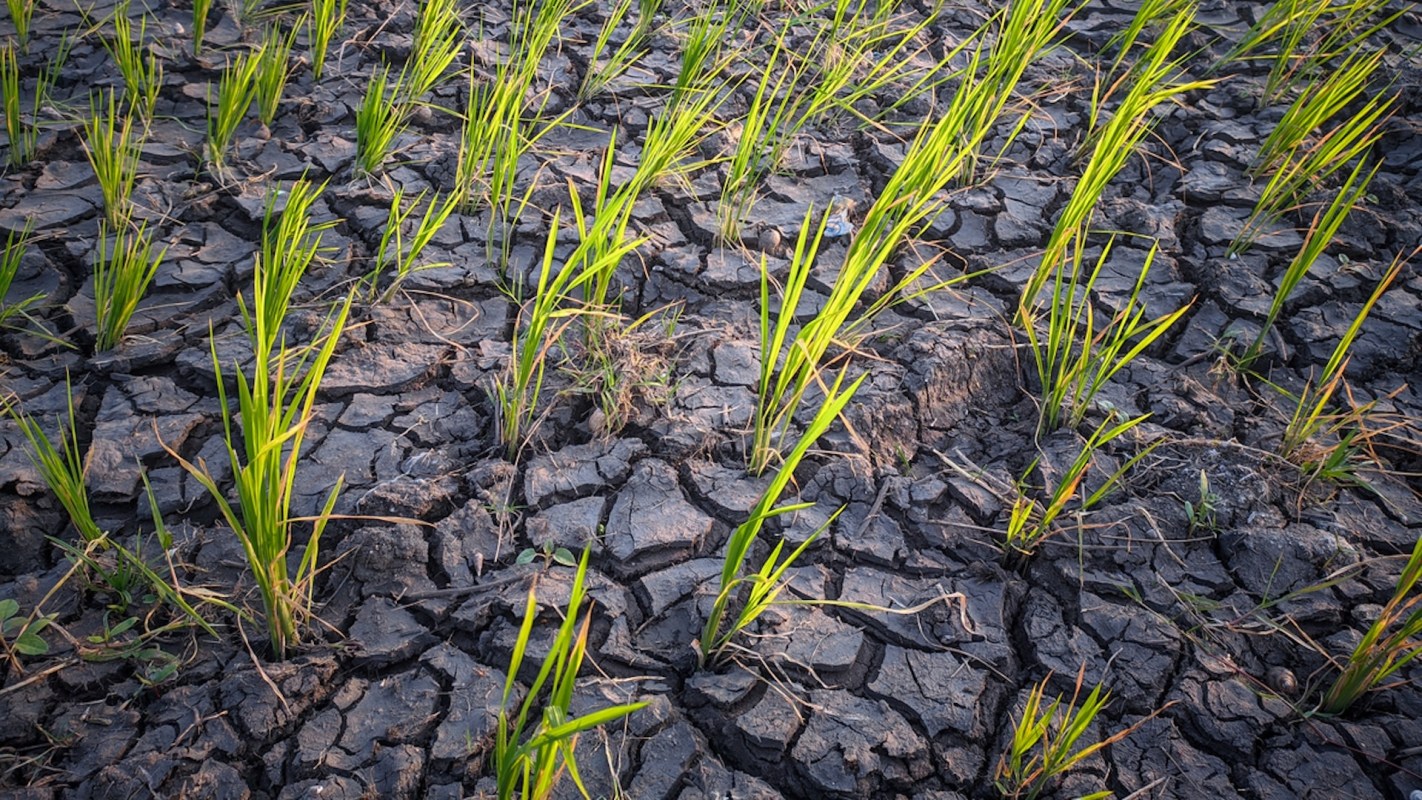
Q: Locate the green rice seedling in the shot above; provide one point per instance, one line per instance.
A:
(201, 10)
(1311, 420)
(532, 751)
(123, 270)
(1112, 144)
(16, 244)
(114, 149)
(1318, 103)
(759, 138)
(1074, 359)
(63, 468)
(1150, 14)
(327, 17)
(393, 250)
(291, 243)
(542, 321)
(701, 64)
(1309, 33)
(1321, 231)
(379, 121)
(1307, 165)
(1392, 642)
(22, 13)
(1030, 522)
(275, 408)
(438, 38)
(1047, 742)
(752, 593)
(602, 71)
(21, 121)
(140, 66)
(236, 90)
(273, 71)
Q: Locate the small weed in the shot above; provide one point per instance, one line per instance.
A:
(20, 635)
(1201, 513)
(550, 553)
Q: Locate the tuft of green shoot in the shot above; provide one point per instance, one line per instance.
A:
(379, 121)
(1031, 522)
(542, 321)
(21, 121)
(531, 752)
(393, 249)
(1305, 166)
(1321, 231)
(62, 468)
(123, 270)
(700, 64)
(236, 90)
(752, 593)
(114, 149)
(438, 38)
(1318, 103)
(1311, 420)
(1048, 740)
(273, 70)
(602, 71)
(1150, 14)
(1308, 34)
(1075, 359)
(140, 66)
(275, 407)
(291, 242)
(1390, 643)
(17, 242)
(22, 13)
(327, 17)
(201, 10)
(1147, 84)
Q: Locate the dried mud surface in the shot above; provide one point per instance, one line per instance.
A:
(394, 697)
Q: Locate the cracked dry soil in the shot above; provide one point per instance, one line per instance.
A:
(395, 695)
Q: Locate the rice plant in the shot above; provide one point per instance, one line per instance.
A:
(1392, 642)
(1308, 33)
(1311, 420)
(1031, 522)
(1306, 166)
(1150, 14)
(236, 90)
(21, 120)
(542, 321)
(62, 468)
(438, 38)
(140, 66)
(1319, 236)
(532, 751)
(275, 407)
(1048, 741)
(114, 149)
(16, 244)
(123, 270)
(201, 10)
(1147, 84)
(700, 64)
(380, 120)
(393, 249)
(1073, 358)
(1318, 103)
(744, 595)
(22, 13)
(325, 21)
(273, 71)
(291, 243)
(603, 70)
